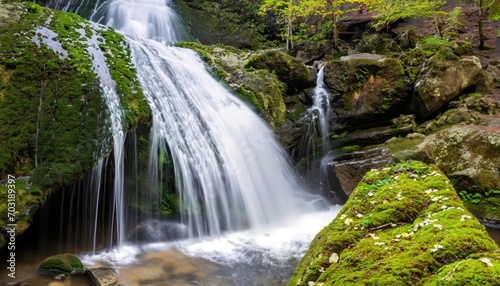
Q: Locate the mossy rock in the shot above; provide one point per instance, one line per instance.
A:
(289, 70)
(364, 87)
(53, 116)
(66, 263)
(402, 225)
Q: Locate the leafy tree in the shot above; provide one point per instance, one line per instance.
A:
(296, 13)
(394, 10)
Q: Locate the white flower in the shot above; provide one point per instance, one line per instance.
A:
(359, 215)
(486, 261)
(348, 221)
(436, 247)
(438, 226)
(379, 243)
(370, 194)
(464, 217)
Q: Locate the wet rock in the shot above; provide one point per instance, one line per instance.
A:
(435, 88)
(350, 168)
(103, 276)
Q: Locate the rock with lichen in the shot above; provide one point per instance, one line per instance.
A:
(402, 225)
(436, 87)
(364, 87)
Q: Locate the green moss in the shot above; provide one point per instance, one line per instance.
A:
(125, 75)
(296, 113)
(67, 263)
(480, 269)
(401, 226)
(348, 149)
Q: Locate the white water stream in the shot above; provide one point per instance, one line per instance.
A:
(241, 202)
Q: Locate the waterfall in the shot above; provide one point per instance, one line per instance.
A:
(230, 172)
(316, 119)
(315, 144)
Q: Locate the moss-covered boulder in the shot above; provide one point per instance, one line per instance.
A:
(402, 225)
(66, 263)
(54, 120)
(54, 115)
(365, 86)
(439, 85)
(289, 70)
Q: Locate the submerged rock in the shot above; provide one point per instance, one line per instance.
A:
(103, 276)
(66, 263)
(402, 225)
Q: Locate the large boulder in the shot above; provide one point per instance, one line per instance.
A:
(436, 87)
(469, 155)
(402, 225)
(289, 70)
(365, 86)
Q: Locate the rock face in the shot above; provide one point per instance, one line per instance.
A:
(365, 86)
(402, 225)
(289, 70)
(67, 263)
(469, 155)
(350, 168)
(437, 87)
(103, 276)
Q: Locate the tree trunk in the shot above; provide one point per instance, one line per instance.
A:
(335, 30)
(482, 37)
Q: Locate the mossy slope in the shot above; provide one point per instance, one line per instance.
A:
(403, 225)
(54, 121)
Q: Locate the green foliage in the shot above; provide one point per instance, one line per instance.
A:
(394, 10)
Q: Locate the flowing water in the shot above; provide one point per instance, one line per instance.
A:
(243, 214)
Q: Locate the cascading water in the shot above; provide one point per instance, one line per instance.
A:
(315, 144)
(233, 173)
(230, 173)
(317, 117)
